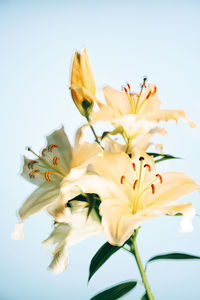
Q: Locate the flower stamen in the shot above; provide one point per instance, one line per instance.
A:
(31, 163)
(47, 176)
(32, 173)
(148, 166)
(134, 166)
(160, 177)
(122, 179)
(153, 188)
(55, 160)
(135, 183)
(51, 147)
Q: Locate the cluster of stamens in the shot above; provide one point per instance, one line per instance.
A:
(134, 98)
(55, 161)
(137, 182)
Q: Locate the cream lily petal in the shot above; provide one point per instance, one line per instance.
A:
(63, 149)
(170, 114)
(79, 227)
(133, 126)
(18, 232)
(117, 100)
(106, 113)
(45, 195)
(175, 185)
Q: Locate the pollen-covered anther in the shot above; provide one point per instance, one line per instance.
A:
(55, 160)
(153, 189)
(51, 147)
(32, 173)
(148, 95)
(31, 163)
(160, 177)
(122, 179)
(43, 151)
(147, 166)
(125, 90)
(154, 90)
(128, 85)
(134, 166)
(135, 183)
(47, 176)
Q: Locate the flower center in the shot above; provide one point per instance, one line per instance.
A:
(135, 99)
(47, 164)
(141, 183)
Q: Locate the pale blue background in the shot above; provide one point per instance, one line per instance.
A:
(125, 40)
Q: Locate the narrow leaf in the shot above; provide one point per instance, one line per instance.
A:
(102, 255)
(162, 157)
(144, 297)
(116, 291)
(173, 256)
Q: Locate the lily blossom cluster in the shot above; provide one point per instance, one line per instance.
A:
(105, 187)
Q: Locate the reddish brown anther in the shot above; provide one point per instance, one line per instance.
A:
(125, 89)
(128, 85)
(148, 95)
(32, 173)
(148, 166)
(154, 90)
(160, 177)
(51, 147)
(134, 185)
(55, 160)
(43, 151)
(122, 179)
(31, 163)
(153, 188)
(47, 176)
(134, 166)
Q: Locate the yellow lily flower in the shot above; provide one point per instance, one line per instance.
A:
(82, 81)
(56, 161)
(131, 191)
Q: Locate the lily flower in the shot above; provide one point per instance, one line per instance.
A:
(82, 81)
(48, 170)
(131, 191)
(131, 110)
(79, 227)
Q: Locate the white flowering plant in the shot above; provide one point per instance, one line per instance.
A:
(110, 186)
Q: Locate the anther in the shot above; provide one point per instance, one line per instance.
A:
(125, 89)
(148, 166)
(51, 147)
(160, 177)
(122, 179)
(47, 176)
(141, 158)
(135, 182)
(43, 151)
(31, 163)
(154, 90)
(128, 85)
(153, 188)
(134, 167)
(32, 173)
(55, 160)
(148, 95)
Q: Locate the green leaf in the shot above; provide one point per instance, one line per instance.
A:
(162, 156)
(102, 255)
(144, 297)
(116, 291)
(173, 256)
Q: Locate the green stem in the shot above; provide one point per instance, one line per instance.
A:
(142, 272)
(93, 131)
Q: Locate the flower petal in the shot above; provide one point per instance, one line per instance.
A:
(117, 100)
(45, 195)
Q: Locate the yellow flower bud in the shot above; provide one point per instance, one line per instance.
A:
(82, 82)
